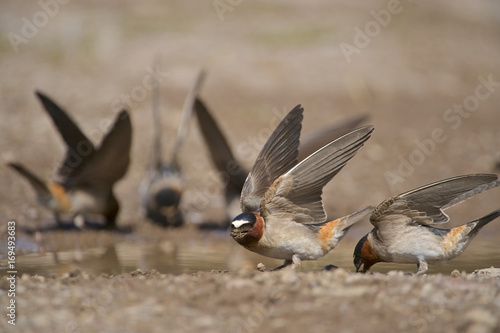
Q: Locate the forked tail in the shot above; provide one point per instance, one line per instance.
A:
(476, 225)
(332, 232)
(351, 219)
(42, 191)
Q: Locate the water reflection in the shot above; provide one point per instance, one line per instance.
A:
(184, 252)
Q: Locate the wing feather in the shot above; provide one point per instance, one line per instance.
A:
(278, 155)
(220, 152)
(73, 137)
(301, 188)
(110, 162)
(426, 204)
(313, 141)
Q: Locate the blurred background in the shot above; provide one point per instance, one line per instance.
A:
(427, 74)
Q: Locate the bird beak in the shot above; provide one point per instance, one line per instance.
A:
(358, 265)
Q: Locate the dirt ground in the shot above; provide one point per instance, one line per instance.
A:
(427, 74)
(252, 301)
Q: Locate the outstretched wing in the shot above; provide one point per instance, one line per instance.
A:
(78, 145)
(220, 152)
(311, 142)
(299, 190)
(110, 162)
(278, 155)
(426, 204)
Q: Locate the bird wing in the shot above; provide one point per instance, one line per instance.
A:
(313, 141)
(187, 111)
(156, 153)
(78, 145)
(426, 204)
(278, 155)
(110, 162)
(299, 190)
(220, 152)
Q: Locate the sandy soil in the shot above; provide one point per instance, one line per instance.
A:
(252, 301)
(262, 59)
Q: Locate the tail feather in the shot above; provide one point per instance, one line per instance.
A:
(351, 219)
(314, 141)
(41, 189)
(332, 232)
(482, 221)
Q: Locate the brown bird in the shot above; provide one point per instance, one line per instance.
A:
(87, 175)
(283, 215)
(233, 172)
(162, 188)
(404, 226)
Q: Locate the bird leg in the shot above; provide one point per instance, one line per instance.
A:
(421, 267)
(287, 262)
(295, 261)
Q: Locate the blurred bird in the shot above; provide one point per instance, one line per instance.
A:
(163, 185)
(234, 173)
(283, 215)
(223, 159)
(404, 226)
(87, 174)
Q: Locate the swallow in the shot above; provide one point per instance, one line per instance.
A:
(405, 225)
(282, 210)
(85, 179)
(224, 161)
(162, 188)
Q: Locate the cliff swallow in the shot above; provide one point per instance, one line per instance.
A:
(234, 173)
(162, 188)
(86, 177)
(404, 226)
(283, 215)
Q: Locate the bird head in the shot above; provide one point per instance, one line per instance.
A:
(365, 254)
(358, 257)
(247, 228)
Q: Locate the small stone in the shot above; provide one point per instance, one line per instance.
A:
(137, 272)
(261, 267)
(330, 268)
(492, 271)
(39, 278)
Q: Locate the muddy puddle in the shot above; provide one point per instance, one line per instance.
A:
(187, 251)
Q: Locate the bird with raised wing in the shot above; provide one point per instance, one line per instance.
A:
(283, 215)
(87, 175)
(405, 225)
(162, 188)
(232, 170)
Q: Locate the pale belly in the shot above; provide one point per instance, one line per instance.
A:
(83, 202)
(414, 245)
(288, 241)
